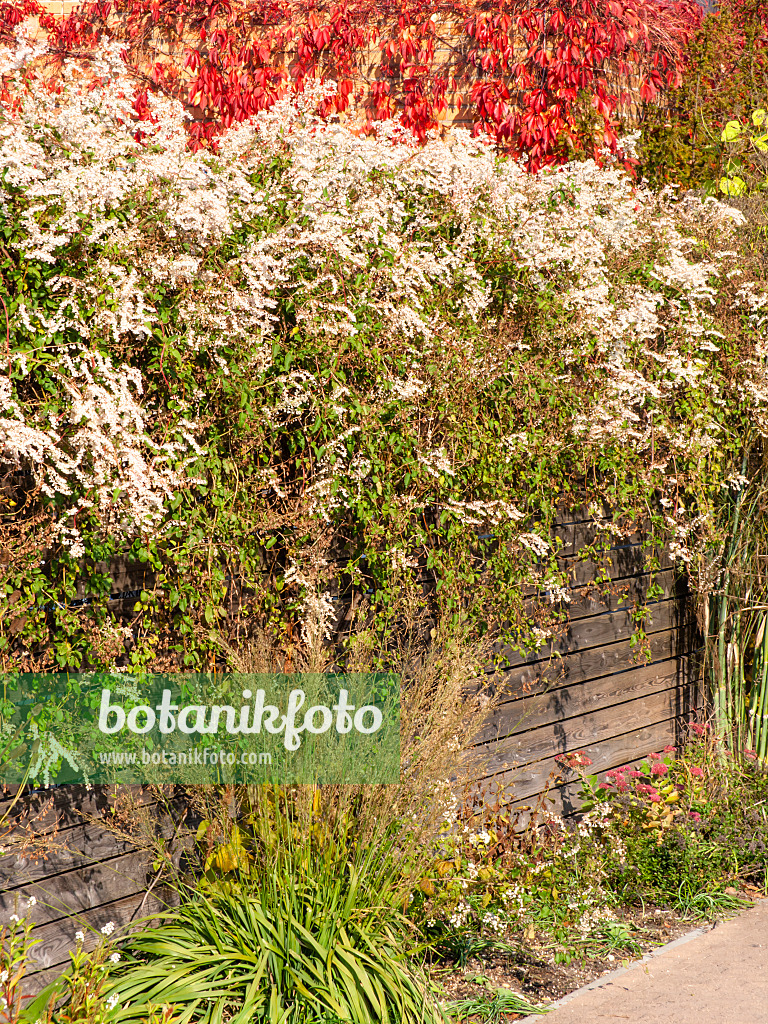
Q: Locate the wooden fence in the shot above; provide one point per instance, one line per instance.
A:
(64, 871)
(590, 689)
(585, 691)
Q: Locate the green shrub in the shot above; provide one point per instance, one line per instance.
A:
(685, 826)
(726, 79)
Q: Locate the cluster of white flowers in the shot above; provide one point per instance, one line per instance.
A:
(317, 615)
(493, 922)
(96, 451)
(75, 160)
(460, 916)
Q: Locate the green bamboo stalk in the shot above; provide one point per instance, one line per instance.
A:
(721, 695)
(724, 708)
(759, 672)
(761, 707)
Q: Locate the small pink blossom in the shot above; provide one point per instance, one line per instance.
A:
(659, 769)
(696, 772)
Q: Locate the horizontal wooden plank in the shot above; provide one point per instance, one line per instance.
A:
(72, 848)
(73, 892)
(81, 845)
(575, 733)
(537, 710)
(524, 783)
(622, 561)
(594, 600)
(576, 666)
(596, 631)
(44, 811)
(579, 514)
(57, 939)
(605, 534)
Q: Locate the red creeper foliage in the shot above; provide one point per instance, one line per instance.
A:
(540, 78)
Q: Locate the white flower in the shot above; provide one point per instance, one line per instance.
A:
(31, 901)
(112, 1001)
(108, 928)
(115, 958)
(15, 919)
(79, 937)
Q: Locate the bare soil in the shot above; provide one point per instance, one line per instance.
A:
(534, 973)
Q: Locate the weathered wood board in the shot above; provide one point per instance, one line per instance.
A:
(62, 870)
(592, 688)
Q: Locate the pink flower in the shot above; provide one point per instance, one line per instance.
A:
(634, 774)
(654, 757)
(604, 785)
(578, 759)
(669, 750)
(698, 730)
(696, 772)
(659, 769)
(751, 754)
(654, 797)
(695, 815)
(621, 785)
(645, 790)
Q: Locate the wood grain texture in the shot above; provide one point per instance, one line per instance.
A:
(523, 784)
(71, 848)
(71, 893)
(565, 702)
(577, 733)
(539, 676)
(86, 876)
(58, 938)
(44, 811)
(597, 631)
(627, 559)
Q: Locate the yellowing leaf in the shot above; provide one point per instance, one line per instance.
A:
(758, 117)
(731, 131)
(231, 856)
(733, 186)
